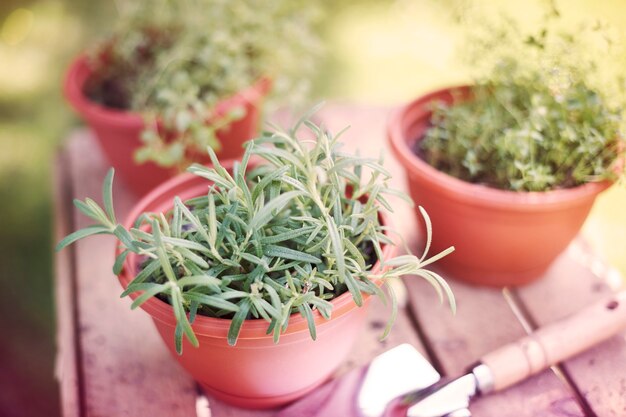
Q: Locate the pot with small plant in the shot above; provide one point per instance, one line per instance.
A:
(254, 271)
(177, 76)
(509, 167)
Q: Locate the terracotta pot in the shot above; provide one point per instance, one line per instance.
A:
(118, 132)
(501, 237)
(255, 373)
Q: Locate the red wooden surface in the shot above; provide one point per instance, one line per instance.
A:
(111, 361)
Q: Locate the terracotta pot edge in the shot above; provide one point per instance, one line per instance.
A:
(73, 92)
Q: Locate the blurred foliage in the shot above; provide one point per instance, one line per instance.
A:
(541, 117)
(174, 65)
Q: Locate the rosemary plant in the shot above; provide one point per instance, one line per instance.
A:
(547, 115)
(267, 240)
(174, 60)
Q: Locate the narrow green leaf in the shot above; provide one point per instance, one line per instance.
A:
(324, 307)
(198, 260)
(204, 280)
(307, 313)
(161, 254)
(259, 309)
(178, 338)
(211, 301)
(181, 316)
(286, 253)
(82, 233)
(266, 180)
(193, 311)
(144, 274)
(289, 235)
(100, 215)
(125, 237)
(256, 261)
(119, 262)
(185, 243)
(86, 210)
(268, 211)
(212, 221)
(237, 321)
(394, 310)
(147, 294)
(107, 195)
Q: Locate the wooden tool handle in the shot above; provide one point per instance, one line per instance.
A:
(556, 342)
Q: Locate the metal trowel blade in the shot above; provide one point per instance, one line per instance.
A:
(366, 392)
(391, 374)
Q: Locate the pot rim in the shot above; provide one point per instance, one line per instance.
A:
(79, 71)
(478, 194)
(210, 326)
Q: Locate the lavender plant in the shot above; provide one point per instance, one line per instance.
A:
(267, 241)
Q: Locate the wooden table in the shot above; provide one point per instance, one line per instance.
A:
(111, 362)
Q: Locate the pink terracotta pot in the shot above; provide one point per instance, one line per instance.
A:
(255, 373)
(118, 132)
(501, 237)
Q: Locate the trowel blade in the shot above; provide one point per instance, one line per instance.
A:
(367, 391)
(398, 371)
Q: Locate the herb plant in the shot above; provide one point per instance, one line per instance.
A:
(267, 240)
(540, 119)
(174, 60)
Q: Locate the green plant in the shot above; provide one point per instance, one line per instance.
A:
(174, 60)
(547, 115)
(269, 240)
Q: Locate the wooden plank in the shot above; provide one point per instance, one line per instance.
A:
(484, 321)
(599, 374)
(127, 369)
(66, 369)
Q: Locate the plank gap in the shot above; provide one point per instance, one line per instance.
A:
(67, 190)
(522, 314)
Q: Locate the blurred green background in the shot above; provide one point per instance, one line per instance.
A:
(380, 52)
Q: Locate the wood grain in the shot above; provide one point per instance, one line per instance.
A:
(127, 370)
(600, 373)
(66, 366)
(120, 366)
(484, 321)
(557, 341)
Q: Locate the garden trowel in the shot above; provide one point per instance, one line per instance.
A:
(401, 382)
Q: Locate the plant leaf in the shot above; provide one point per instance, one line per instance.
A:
(237, 321)
(292, 254)
(107, 195)
(264, 215)
(82, 233)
